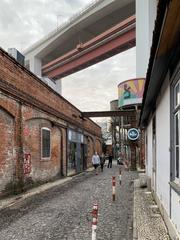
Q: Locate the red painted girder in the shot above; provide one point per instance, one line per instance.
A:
(120, 26)
(117, 39)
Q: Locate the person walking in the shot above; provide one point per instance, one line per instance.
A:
(110, 160)
(95, 161)
(102, 161)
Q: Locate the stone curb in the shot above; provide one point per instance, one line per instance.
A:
(135, 233)
(147, 223)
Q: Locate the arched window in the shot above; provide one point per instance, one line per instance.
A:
(45, 142)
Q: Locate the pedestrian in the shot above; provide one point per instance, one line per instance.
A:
(110, 160)
(119, 176)
(95, 161)
(102, 161)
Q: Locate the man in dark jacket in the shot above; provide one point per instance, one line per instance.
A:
(110, 160)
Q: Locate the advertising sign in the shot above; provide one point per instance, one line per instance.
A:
(133, 134)
(130, 92)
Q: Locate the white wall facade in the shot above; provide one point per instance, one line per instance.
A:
(149, 150)
(175, 210)
(145, 17)
(167, 198)
(163, 147)
(158, 155)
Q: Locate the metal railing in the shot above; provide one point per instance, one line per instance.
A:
(65, 24)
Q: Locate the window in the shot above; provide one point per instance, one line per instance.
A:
(176, 119)
(45, 143)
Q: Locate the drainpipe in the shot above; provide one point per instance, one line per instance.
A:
(20, 155)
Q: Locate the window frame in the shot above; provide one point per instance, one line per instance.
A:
(47, 129)
(175, 112)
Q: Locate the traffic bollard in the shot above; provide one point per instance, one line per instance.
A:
(113, 188)
(94, 220)
(120, 177)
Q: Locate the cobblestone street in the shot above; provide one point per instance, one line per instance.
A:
(64, 212)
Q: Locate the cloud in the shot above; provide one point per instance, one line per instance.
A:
(92, 89)
(23, 22)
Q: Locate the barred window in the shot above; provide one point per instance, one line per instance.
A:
(45, 143)
(176, 117)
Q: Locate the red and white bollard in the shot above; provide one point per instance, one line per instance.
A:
(113, 188)
(120, 176)
(94, 220)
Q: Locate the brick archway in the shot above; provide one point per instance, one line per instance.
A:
(7, 160)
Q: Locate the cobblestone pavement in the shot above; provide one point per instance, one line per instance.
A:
(63, 212)
(148, 222)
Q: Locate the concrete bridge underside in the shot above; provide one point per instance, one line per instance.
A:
(113, 41)
(79, 32)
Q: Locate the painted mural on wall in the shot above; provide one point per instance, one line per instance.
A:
(130, 92)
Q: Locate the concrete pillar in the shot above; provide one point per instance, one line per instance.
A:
(59, 86)
(35, 66)
(145, 17)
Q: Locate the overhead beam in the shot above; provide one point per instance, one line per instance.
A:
(115, 40)
(109, 113)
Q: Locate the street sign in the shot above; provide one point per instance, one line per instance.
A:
(133, 134)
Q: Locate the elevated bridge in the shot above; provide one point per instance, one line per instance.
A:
(113, 41)
(101, 30)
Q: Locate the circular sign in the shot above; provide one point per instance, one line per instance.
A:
(133, 134)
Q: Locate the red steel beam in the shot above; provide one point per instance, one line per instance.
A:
(115, 40)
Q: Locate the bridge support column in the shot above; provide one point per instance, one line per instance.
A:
(35, 66)
(59, 86)
(145, 17)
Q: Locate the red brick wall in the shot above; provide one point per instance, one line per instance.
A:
(98, 146)
(7, 163)
(36, 90)
(64, 152)
(27, 105)
(42, 169)
(90, 151)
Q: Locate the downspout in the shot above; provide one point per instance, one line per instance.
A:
(20, 155)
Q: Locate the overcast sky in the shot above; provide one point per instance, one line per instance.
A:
(23, 22)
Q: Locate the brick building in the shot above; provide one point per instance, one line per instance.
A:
(42, 135)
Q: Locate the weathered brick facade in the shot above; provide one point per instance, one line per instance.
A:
(26, 106)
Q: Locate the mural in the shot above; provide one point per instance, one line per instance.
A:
(130, 92)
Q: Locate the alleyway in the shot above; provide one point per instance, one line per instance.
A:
(64, 211)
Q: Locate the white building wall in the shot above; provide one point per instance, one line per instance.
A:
(175, 210)
(149, 150)
(162, 148)
(145, 17)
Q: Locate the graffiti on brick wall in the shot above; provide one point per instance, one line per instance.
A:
(26, 131)
(27, 163)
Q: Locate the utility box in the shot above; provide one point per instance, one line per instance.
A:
(13, 52)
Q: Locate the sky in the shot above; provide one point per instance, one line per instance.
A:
(23, 22)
